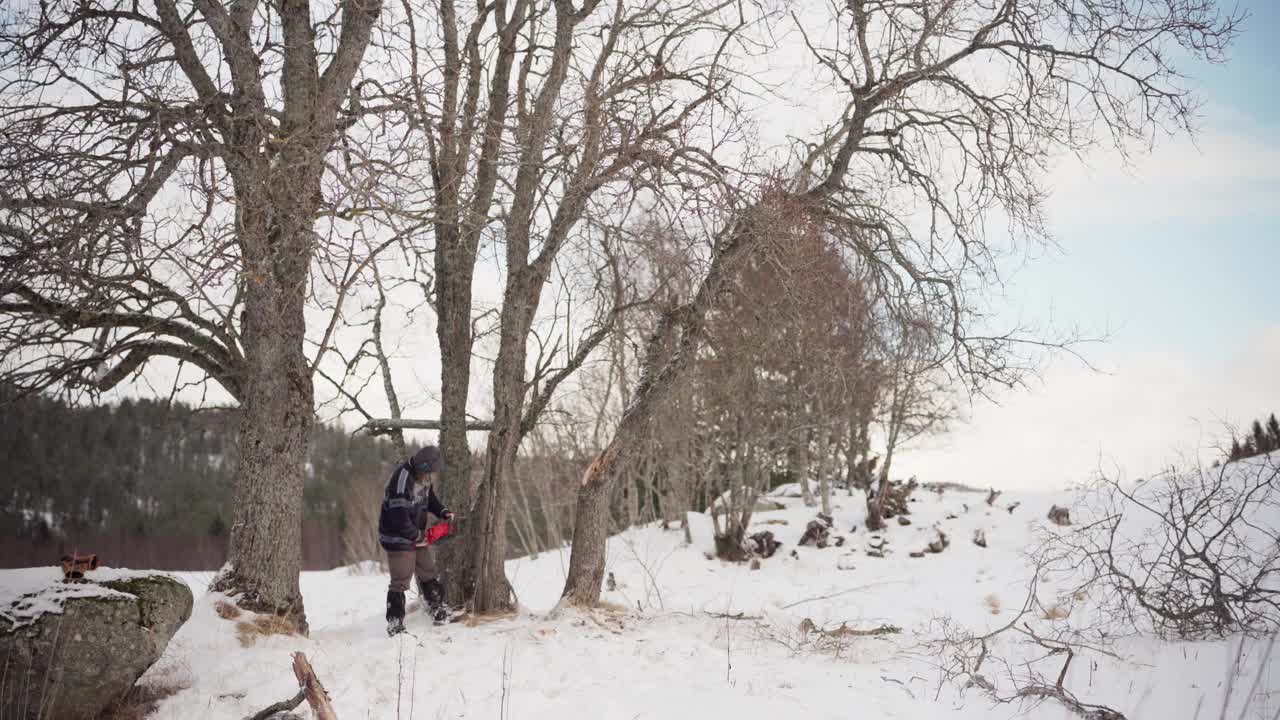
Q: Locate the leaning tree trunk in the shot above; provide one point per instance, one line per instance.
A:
(591, 524)
(875, 505)
(275, 420)
(659, 379)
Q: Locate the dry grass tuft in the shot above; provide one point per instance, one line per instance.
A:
(474, 619)
(226, 610)
(613, 607)
(248, 631)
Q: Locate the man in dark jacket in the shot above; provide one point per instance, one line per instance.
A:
(407, 502)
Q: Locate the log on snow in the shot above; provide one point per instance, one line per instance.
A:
(317, 698)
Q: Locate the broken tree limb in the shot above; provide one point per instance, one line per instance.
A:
(386, 426)
(280, 707)
(317, 698)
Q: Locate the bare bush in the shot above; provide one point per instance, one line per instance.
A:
(969, 660)
(1185, 554)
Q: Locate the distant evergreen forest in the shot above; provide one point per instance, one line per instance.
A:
(149, 484)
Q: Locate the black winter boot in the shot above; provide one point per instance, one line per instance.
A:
(395, 612)
(433, 600)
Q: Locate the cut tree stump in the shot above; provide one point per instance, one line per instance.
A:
(317, 698)
(1060, 515)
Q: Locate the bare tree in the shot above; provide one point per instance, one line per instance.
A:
(538, 125)
(161, 180)
(954, 107)
(916, 399)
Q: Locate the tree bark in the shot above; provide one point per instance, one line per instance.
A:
(824, 469)
(276, 415)
(487, 586)
(315, 693)
(455, 268)
(803, 469)
(591, 525)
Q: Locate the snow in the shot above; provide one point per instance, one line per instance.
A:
(669, 642)
(28, 593)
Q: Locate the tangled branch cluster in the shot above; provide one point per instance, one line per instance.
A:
(1186, 555)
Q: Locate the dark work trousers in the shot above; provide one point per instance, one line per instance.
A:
(404, 564)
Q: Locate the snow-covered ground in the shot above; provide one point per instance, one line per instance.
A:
(672, 645)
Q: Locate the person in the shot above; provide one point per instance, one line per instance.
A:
(407, 503)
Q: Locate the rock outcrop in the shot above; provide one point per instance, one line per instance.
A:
(71, 650)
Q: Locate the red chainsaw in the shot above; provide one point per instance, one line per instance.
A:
(436, 533)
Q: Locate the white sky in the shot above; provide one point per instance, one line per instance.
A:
(1178, 259)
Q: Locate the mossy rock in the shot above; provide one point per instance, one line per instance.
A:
(74, 662)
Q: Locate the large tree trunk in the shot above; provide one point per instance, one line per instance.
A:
(486, 581)
(275, 418)
(455, 266)
(454, 272)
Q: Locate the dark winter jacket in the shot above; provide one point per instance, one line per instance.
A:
(405, 504)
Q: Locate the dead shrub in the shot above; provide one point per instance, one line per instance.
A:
(1057, 612)
(1188, 554)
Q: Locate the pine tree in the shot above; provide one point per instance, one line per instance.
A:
(1273, 432)
(1237, 452)
(1261, 443)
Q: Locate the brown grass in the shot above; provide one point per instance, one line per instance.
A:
(226, 610)
(248, 631)
(474, 619)
(613, 607)
(142, 700)
(992, 603)
(1057, 612)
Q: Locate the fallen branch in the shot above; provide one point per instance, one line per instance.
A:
(734, 616)
(808, 626)
(899, 682)
(317, 698)
(963, 656)
(1062, 695)
(280, 707)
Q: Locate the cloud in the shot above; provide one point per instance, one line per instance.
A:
(1151, 409)
(1221, 173)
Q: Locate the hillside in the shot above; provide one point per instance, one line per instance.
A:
(688, 637)
(149, 484)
